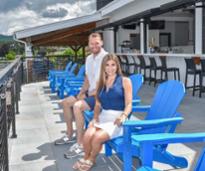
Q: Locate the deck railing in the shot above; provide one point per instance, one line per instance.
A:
(37, 67)
(11, 79)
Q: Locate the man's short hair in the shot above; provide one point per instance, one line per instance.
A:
(94, 35)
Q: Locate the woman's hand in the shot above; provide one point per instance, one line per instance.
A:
(119, 120)
(92, 122)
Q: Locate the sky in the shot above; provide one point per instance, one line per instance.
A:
(20, 14)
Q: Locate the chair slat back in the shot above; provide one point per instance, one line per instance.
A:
(153, 63)
(81, 71)
(68, 66)
(163, 61)
(137, 81)
(72, 69)
(166, 100)
(142, 61)
(203, 65)
(190, 65)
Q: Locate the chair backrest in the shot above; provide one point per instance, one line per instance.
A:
(200, 166)
(68, 66)
(81, 71)
(153, 63)
(166, 100)
(142, 61)
(190, 65)
(137, 81)
(163, 61)
(72, 69)
(203, 65)
(131, 64)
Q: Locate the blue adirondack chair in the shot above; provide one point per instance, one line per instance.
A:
(151, 141)
(58, 75)
(52, 72)
(137, 81)
(163, 110)
(71, 83)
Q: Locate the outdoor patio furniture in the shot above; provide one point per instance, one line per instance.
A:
(66, 81)
(143, 66)
(154, 68)
(130, 64)
(137, 65)
(52, 72)
(57, 75)
(166, 69)
(148, 143)
(202, 76)
(192, 70)
(162, 116)
(137, 81)
(123, 63)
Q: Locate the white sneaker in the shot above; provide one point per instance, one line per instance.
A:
(65, 140)
(74, 150)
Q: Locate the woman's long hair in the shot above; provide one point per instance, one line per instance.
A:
(103, 75)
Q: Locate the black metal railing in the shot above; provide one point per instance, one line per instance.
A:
(10, 86)
(37, 67)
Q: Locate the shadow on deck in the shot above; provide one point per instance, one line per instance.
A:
(41, 122)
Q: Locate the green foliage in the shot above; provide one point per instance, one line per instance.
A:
(11, 55)
(80, 52)
(69, 52)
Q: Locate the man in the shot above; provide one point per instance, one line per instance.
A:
(73, 107)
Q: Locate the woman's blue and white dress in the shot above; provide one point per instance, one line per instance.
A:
(113, 104)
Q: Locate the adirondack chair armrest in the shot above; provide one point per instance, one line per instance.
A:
(129, 125)
(136, 101)
(141, 108)
(170, 138)
(147, 169)
(74, 79)
(154, 123)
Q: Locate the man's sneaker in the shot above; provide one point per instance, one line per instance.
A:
(74, 150)
(65, 140)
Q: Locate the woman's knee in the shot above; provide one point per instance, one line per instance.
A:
(97, 139)
(100, 137)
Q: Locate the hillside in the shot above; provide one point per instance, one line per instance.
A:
(4, 38)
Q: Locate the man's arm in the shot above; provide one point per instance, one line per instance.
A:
(84, 88)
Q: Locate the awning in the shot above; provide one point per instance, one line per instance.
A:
(151, 13)
(65, 33)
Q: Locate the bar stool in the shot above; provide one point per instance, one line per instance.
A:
(124, 63)
(154, 68)
(202, 76)
(130, 64)
(143, 66)
(137, 65)
(166, 69)
(191, 70)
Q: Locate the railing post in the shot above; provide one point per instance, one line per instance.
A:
(4, 162)
(10, 104)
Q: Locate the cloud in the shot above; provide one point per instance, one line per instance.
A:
(55, 13)
(25, 14)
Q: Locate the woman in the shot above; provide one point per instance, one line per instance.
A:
(113, 104)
